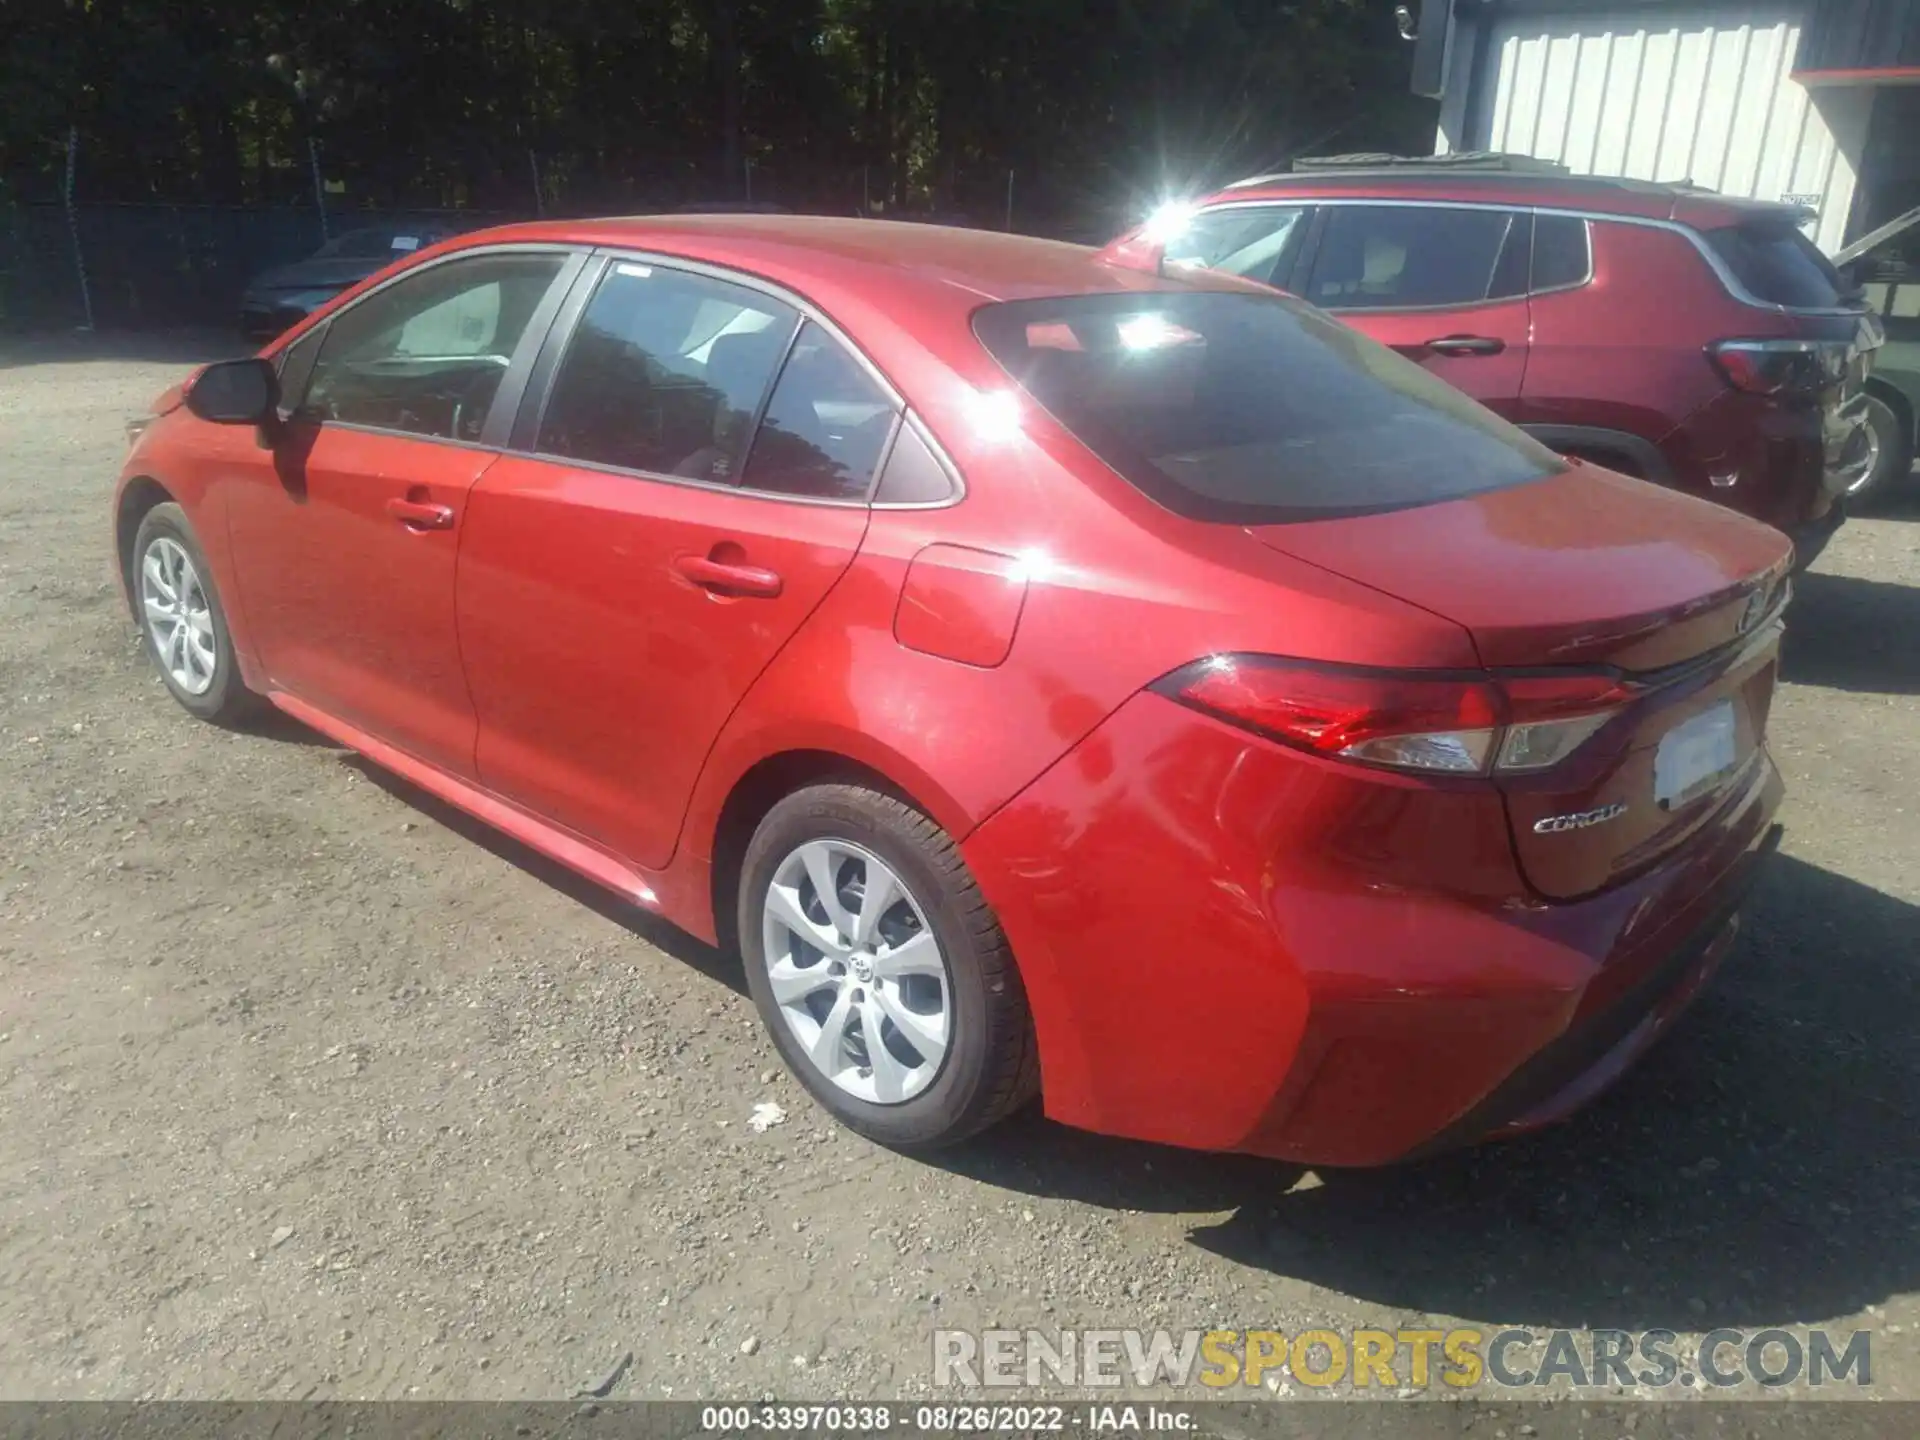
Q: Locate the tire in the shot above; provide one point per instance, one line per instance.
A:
(1895, 462)
(202, 675)
(987, 1064)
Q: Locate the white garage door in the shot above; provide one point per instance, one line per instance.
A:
(1680, 94)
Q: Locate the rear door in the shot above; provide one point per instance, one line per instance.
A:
(696, 480)
(1444, 285)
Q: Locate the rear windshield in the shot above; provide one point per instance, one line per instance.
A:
(1779, 265)
(1253, 410)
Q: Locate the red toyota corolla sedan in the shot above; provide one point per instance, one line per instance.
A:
(1053, 677)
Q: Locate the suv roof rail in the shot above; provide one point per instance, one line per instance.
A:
(1484, 161)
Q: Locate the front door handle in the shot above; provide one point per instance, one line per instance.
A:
(729, 579)
(420, 514)
(1466, 345)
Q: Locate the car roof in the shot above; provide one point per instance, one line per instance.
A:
(812, 253)
(1595, 194)
(903, 290)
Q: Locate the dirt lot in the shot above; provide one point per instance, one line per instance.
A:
(310, 1087)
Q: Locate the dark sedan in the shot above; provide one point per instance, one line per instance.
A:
(276, 299)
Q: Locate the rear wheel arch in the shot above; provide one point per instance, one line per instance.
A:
(1895, 399)
(1890, 418)
(759, 788)
(1619, 450)
(1608, 459)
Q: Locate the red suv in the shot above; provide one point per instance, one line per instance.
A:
(1665, 332)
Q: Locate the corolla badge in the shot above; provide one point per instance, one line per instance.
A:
(1585, 819)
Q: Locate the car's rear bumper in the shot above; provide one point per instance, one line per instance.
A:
(1788, 466)
(1223, 947)
(1598, 1048)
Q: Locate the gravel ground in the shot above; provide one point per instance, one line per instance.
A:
(313, 1088)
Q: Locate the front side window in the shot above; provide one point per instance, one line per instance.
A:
(1246, 409)
(295, 365)
(825, 425)
(665, 374)
(1257, 241)
(426, 354)
(1385, 257)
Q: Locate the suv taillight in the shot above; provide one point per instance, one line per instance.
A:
(1404, 719)
(1781, 367)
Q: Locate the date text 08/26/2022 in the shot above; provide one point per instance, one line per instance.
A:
(945, 1419)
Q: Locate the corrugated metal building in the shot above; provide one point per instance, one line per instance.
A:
(1808, 101)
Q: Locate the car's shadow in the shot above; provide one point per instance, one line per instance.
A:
(715, 964)
(1845, 632)
(1761, 1166)
(271, 724)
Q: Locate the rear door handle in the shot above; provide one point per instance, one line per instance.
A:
(729, 579)
(1466, 345)
(420, 514)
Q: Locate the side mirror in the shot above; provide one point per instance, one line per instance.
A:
(235, 392)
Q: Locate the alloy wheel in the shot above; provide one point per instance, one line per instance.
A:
(857, 972)
(1871, 469)
(178, 614)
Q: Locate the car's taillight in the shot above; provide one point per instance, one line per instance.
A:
(1551, 716)
(1780, 367)
(1404, 719)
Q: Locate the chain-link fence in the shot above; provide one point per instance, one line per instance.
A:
(152, 266)
(140, 267)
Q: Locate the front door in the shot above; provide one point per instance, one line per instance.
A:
(1446, 286)
(346, 535)
(620, 592)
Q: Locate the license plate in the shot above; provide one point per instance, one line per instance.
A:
(1693, 756)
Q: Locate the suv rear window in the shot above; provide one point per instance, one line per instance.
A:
(1250, 409)
(1778, 264)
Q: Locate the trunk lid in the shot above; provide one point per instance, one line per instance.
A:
(1582, 571)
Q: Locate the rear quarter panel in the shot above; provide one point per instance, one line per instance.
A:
(1626, 351)
(1117, 593)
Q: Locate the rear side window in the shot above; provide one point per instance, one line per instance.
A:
(1560, 254)
(665, 374)
(1248, 409)
(914, 474)
(1383, 257)
(825, 425)
(1257, 241)
(1777, 264)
